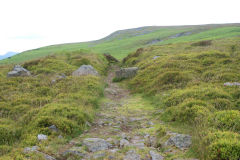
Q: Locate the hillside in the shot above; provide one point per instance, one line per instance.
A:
(182, 102)
(8, 54)
(121, 43)
(194, 84)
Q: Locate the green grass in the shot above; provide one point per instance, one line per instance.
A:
(29, 105)
(187, 82)
(121, 43)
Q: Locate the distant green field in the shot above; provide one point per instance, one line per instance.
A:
(121, 43)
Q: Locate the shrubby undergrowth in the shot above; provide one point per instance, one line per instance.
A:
(30, 105)
(187, 81)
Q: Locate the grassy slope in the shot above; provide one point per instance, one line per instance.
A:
(186, 81)
(121, 43)
(29, 105)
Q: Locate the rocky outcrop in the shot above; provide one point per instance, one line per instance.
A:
(18, 71)
(110, 58)
(181, 141)
(126, 72)
(96, 144)
(85, 70)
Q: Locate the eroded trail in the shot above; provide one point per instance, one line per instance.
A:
(124, 129)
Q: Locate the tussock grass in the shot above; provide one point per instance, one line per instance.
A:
(187, 81)
(29, 105)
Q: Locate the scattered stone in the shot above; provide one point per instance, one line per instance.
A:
(111, 157)
(31, 149)
(132, 155)
(35, 149)
(47, 157)
(85, 70)
(126, 72)
(150, 123)
(18, 71)
(155, 57)
(132, 119)
(42, 137)
(96, 144)
(99, 155)
(156, 156)
(59, 77)
(110, 58)
(77, 151)
(138, 142)
(181, 141)
(125, 136)
(113, 150)
(232, 84)
(53, 128)
(124, 143)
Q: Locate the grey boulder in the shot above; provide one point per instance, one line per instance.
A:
(181, 141)
(126, 72)
(35, 149)
(18, 71)
(42, 137)
(156, 156)
(96, 144)
(132, 155)
(85, 70)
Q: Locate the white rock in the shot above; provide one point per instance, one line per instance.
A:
(42, 137)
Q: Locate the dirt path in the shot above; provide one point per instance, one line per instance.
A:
(124, 129)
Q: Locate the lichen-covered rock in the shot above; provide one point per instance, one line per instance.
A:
(181, 141)
(96, 144)
(132, 155)
(156, 156)
(85, 70)
(126, 72)
(18, 71)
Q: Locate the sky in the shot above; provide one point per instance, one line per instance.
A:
(29, 24)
